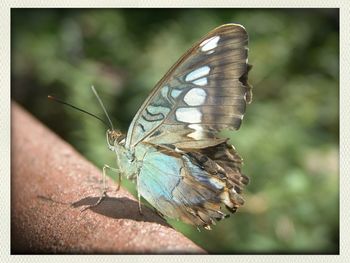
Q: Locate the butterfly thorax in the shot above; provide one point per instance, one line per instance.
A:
(125, 157)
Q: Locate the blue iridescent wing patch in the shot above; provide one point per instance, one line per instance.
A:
(192, 186)
(172, 150)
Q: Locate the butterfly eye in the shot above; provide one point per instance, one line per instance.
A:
(114, 137)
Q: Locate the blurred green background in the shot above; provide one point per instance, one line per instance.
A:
(290, 135)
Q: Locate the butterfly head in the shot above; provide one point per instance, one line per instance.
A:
(114, 137)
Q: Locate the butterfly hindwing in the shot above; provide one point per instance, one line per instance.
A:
(192, 187)
(204, 92)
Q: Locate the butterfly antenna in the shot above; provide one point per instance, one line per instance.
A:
(76, 108)
(103, 107)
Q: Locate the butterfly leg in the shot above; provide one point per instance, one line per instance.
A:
(104, 192)
(138, 193)
(104, 176)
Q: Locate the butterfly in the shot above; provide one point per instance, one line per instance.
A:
(172, 149)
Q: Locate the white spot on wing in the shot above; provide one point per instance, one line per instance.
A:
(209, 43)
(175, 93)
(189, 115)
(225, 198)
(196, 127)
(197, 73)
(198, 131)
(164, 91)
(218, 183)
(195, 97)
(201, 82)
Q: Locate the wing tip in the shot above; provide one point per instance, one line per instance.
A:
(236, 26)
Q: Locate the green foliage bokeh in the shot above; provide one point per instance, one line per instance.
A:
(289, 137)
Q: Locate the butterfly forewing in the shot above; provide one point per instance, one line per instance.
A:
(204, 92)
